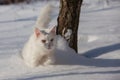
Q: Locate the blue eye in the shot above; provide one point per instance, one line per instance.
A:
(51, 40)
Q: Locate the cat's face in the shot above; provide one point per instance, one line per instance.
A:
(45, 39)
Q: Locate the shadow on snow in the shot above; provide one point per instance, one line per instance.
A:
(67, 74)
(65, 58)
(102, 50)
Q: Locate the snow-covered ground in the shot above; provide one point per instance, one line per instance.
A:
(99, 44)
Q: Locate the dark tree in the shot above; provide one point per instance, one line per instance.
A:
(68, 21)
(10, 1)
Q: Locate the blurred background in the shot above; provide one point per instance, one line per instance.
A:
(4, 2)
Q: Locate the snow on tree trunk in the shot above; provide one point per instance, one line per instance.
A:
(68, 21)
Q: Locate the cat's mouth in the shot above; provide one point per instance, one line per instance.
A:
(49, 48)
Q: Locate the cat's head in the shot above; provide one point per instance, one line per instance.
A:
(45, 39)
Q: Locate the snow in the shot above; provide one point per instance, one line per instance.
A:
(98, 43)
(68, 34)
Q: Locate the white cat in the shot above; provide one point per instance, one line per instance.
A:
(39, 50)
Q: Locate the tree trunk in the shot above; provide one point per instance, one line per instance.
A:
(68, 21)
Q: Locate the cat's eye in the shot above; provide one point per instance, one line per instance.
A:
(43, 41)
(51, 40)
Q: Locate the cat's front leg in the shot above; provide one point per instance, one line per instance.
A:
(50, 60)
(32, 64)
(33, 61)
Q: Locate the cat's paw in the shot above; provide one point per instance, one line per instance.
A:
(32, 64)
(48, 62)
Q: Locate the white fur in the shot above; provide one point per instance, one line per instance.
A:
(34, 53)
(44, 17)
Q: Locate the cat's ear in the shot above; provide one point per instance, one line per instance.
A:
(37, 32)
(53, 30)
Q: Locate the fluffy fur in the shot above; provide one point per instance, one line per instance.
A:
(44, 17)
(39, 50)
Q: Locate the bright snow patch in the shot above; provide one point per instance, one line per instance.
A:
(100, 43)
(68, 33)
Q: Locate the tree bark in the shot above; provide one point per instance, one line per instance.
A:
(68, 21)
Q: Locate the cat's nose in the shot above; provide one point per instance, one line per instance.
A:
(49, 46)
